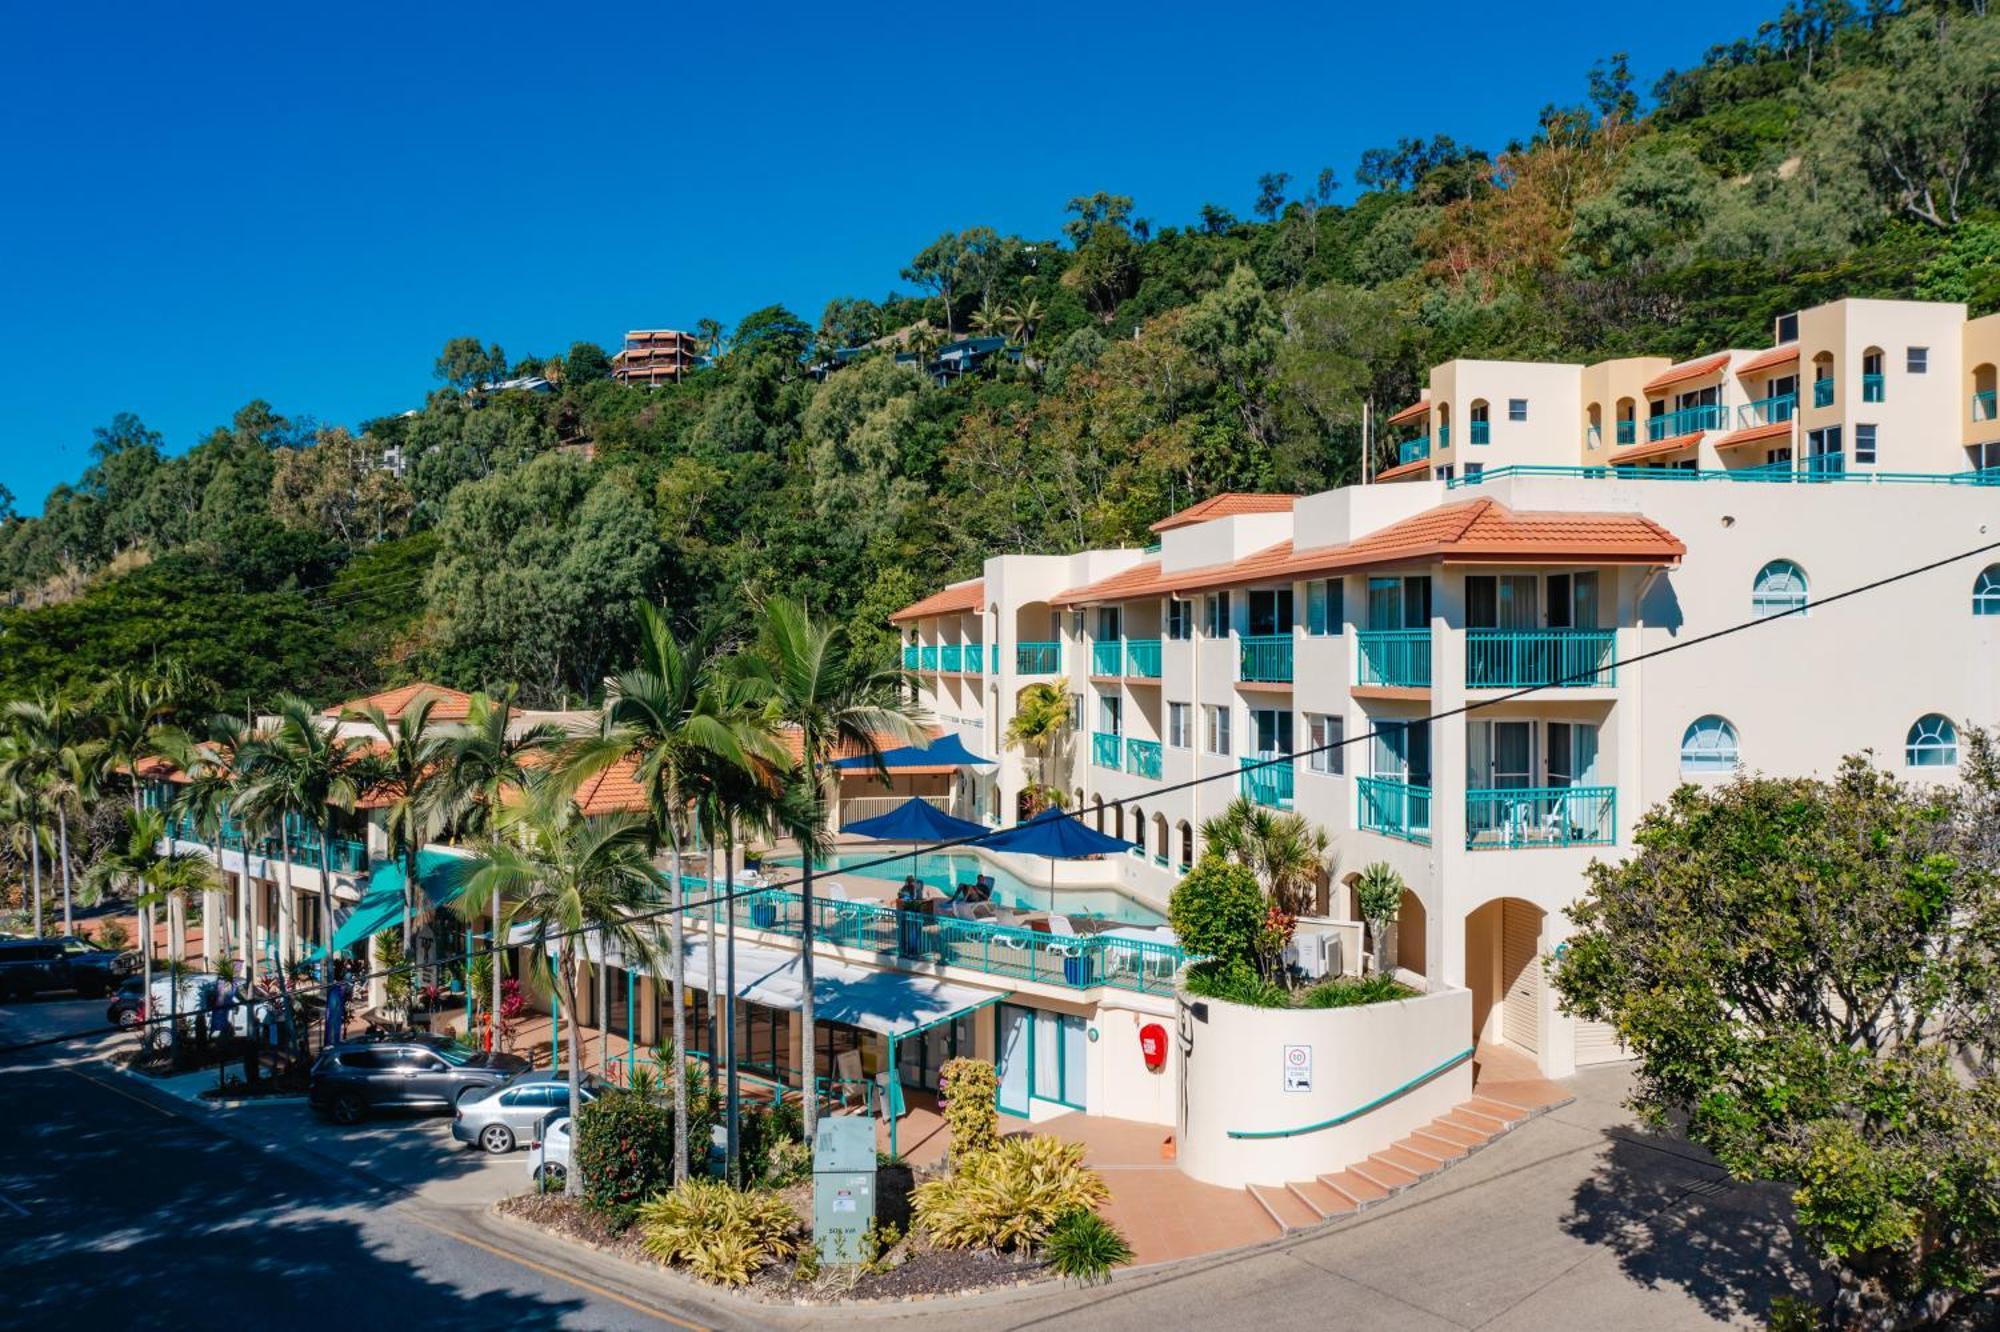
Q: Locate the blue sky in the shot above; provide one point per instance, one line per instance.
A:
(209, 203)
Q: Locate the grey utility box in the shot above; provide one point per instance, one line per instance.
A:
(843, 1186)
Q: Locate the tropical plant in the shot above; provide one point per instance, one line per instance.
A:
(969, 1090)
(57, 755)
(1286, 851)
(153, 876)
(1039, 726)
(1217, 912)
(624, 1154)
(291, 778)
(1378, 896)
(1353, 991)
(407, 777)
(808, 681)
(568, 878)
(1084, 1247)
(721, 1234)
(1010, 1197)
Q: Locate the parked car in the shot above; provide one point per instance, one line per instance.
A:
(197, 990)
(29, 967)
(430, 1073)
(504, 1118)
(128, 1006)
(548, 1152)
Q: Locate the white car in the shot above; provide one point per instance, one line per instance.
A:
(548, 1152)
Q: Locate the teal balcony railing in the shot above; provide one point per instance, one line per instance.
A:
(975, 658)
(1872, 388)
(1985, 407)
(1104, 750)
(950, 656)
(1038, 658)
(1767, 411)
(1824, 467)
(928, 658)
(1822, 393)
(1628, 432)
(1106, 658)
(1398, 657)
(1521, 658)
(910, 657)
(1271, 785)
(1265, 659)
(1508, 818)
(344, 855)
(1142, 759)
(1481, 432)
(1395, 808)
(1414, 450)
(1686, 421)
(995, 950)
(1444, 438)
(1142, 658)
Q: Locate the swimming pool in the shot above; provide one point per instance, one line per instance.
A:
(945, 871)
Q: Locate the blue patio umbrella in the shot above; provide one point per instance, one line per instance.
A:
(944, 750)
(1059, 835)
(916, 821)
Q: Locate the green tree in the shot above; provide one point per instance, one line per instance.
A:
(1806, 970)
(409, 778)
(297, 775)
(1040, 727)
(155, 876)
(465, 364)
(585, 364)
(58, 754)
(1378, 895)
(1287, 852)
(1217, 911)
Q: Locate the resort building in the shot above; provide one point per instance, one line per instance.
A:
(1529, 540)
(656, 356)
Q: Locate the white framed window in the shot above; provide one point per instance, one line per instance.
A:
(1473, 469)
(1986, 591)
(1517, 409)
(1180, 727)
(1216, 615)
(1864, 443)
(1111, 714)
(1325, 608)
(1324, 734)
(1215, 719)
(1708, 746)
(1932, 742)
(1444, 472)
(1780, 588)
(1917, 360)
(1180, 619)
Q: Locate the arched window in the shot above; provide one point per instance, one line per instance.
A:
(1160, 838)
(1780, 587)
(1708, 745)
(1138, 836)
(1932, 742)
(1986, 591)
(1187, 844)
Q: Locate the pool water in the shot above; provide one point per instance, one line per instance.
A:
(944, 871)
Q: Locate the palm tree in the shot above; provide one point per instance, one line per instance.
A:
(1039, 727)
(157, 877)
(810, 682)
(670, 718)
(485, 757)
(1287, 852)
(218, 776)
(1378, 894)
(20, 779)
(61, 758)
(305, 771)
(571, 878)
(989, 318)
(409, 775)
(131, 709)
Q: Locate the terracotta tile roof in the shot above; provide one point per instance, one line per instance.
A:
(1226, 505)
(1769, 430)
(158, 767)
(1417, 409)
(1141, 580)
(1686, 370)
(1409, 471)
(616, 790)
(954, 600)
(448, 705)
(789, 739)
(1658, 448)
(1777, 356)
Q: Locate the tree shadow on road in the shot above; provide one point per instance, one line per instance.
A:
(1674, 1217)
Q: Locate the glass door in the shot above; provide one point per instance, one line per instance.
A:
(1012, 1031)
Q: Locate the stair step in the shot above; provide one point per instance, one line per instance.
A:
(1363, 1191)
(1484, 1125)
(1328, 1202)
(1286, 1208)
(1493, 1109)
(1417, 1163)
(1391, 1173)
(1446, 1131)
(1440, 1151)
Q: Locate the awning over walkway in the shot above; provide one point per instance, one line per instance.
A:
(440, 875)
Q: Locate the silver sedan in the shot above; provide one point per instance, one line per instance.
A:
(502, 1119)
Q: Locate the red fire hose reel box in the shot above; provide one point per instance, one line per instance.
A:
(1153, 1045)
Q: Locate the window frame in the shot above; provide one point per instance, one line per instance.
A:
(1766, 604)
(1864, 441)
(1706, 760)
(1986, 591)
(1517, 409)
(1931, 746)
(1180, 725)
(1326, 734)
(1180, 619)
(1216, 729)
(1215, 617)
(1916, 360)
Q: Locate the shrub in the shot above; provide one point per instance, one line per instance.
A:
(1010, 1197)
(1353, 991)
(721, 1234)
(625, 1152)
(1217, 911)
(773, 1146)
(114, 936)
(1084, 1246)
(1378, 893)
(1236, 983)
(788, 1163)
(970, 1090)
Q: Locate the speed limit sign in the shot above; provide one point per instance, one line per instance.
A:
(1298, 1068)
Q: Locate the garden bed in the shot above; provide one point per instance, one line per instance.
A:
(1241, 986)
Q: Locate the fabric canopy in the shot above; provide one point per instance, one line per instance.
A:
(945, 750)
(440, 875)
(916, 820)
(1058, 835)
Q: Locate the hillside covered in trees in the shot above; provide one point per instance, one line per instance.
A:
(1838, 151)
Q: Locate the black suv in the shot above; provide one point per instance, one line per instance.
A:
(30, 967)
(421, 1072)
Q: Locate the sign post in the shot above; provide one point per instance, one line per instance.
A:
(1298, 1068)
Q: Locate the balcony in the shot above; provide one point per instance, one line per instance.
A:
(1871, 388)
(910, 657)
(1142, 759)
(927, 659)
(1394, 808)
(949, 657)
(1985, 407)
(1628, 432)
(1271, 785)
(1509, 818)
(1822, 393)
(1106, 658)
(1767, 411)
(1038, 658)
(1104, 750)
(1481, 432)
(1686, 421)
(344, 855)
(1265, 659)
(1523, 658)
(975, 659)
(1444, 438)
(1400, 658)
(1142, 658)
(1824, 467)
(1414, 450)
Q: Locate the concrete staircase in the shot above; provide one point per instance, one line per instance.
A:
(1401, 1165)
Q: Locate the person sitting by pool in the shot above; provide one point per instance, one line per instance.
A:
(910, 893)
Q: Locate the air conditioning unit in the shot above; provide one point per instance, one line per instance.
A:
(1333, 954)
